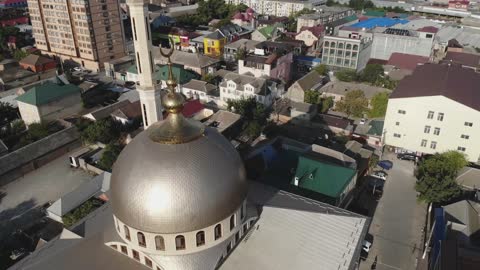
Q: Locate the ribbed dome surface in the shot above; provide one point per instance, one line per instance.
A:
(174, 188)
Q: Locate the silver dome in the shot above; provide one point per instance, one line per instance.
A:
(176, 188)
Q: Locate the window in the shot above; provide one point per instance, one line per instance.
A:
(237, 237)
(466, 137)
(429, 35)
(424, 143)
(218, 231)
(180, 242)
(433, 145)
(159, 243)
(468, 124)
(396, 135)
(461, 149)
(440, 117)
(141, 239)
(430, 115)
(136, 255)
(245, 228)
(402, 112)
(200, 238)
(113, 246)
(436, 131)
(134, 29)
(127, 232)
(148, 262)
(138, 63)
(232, 222)
(124, 250)
(426, 129)
(147, 23)
(242, 212)
(397, 123)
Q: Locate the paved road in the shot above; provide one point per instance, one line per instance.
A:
(398, 221)
(47, 183)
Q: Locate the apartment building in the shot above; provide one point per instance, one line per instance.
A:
(341, 52)
(323, 15)
(235, 87)
(279, 7)
(274, 65)
(436, 109)
(87, 32)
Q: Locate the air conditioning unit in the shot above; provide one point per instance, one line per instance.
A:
(295, 181)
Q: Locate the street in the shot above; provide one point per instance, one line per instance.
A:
(398, 221)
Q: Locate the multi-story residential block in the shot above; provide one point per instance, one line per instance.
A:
(235, 87)
(87, 32)
(323, 15)
(279, 7)
(436, 109)
(392, 40)
(340, 52)
(274, 66)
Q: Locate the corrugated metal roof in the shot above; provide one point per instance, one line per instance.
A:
(46, 92)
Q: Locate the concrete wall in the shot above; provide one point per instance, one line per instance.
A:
(37, 154)
(296, 93)
(384, 45)
(410, 126)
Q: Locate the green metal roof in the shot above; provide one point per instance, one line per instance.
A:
(374, 13)
(161, 73)
(47, 92)
(351, 18)
(321, 177)
(376, 128)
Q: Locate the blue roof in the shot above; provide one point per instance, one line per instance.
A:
(308, 58)
(382, 22)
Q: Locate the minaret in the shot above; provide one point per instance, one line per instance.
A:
(142, 40)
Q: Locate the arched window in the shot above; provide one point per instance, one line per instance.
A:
(232, 222)
(180, 242)
(127, 232)
(218, 231)
(159, 243)
(332, 44)
(349, 46)
(200, 238)
(340, 45)
(326, 44)
(355, 47)
(141, 239)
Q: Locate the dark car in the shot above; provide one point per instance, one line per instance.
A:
(406, 157)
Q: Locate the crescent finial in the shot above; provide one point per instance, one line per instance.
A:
(170, 52)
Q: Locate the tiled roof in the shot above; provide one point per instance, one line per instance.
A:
(199, 85)
(315, 30)
(428, 29)
(310, 80)
(466, 59)
(46, 92)
(448, 80)
(406, 61)
(34, 60)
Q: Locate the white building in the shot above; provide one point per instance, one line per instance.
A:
(279, 7)
(341, 52)
(235, 86)
(436, 109)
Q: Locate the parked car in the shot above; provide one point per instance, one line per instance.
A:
(78, 69)
(380, 174)
(406, 157)
(366, 246)
(363, 121)
(385, 164)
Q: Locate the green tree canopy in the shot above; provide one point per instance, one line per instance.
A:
(360, 4)
(109, 156)
(436, 177)
(379, 104)
(346, 75)
(326, 104)
(255, 115)
(104, 131)
(209, 10)
(371, 73)
(312, 97)
(19, 54)
(322, 69)
(355, 103)
(7, 113)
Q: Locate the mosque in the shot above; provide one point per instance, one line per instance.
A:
(180, 200)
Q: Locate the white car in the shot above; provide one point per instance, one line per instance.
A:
(366, 245)
(77, 69)
(363, 121)
(380, 174)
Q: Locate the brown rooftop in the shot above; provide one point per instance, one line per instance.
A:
(448, 80)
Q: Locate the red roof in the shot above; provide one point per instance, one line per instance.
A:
(363, 18)
(406, 61)
(428, 29)
(190, 108)
(465, 59)
(316, 30)
(463, 2)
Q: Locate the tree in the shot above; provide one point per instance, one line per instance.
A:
(372, 73)
(255, 115)
(7, 113)
(312, 97)
(346, 75)
(321, 69)
(326, 104)
(379, 104)
(104, 131)
(19, 54)
(436, 177)
(355, 103)
(241, 54)
(109, 156)
(209, 78)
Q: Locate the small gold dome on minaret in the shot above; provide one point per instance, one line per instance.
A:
(176, 129)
